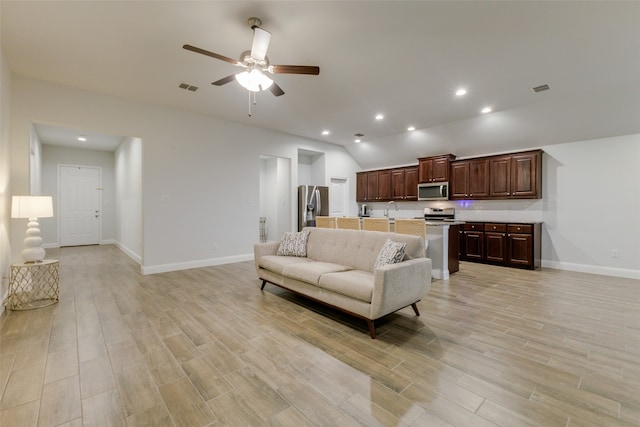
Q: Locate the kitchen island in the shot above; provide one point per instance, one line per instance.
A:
(442, 246)
(443, 249)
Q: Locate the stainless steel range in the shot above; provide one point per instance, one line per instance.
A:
(439, 214)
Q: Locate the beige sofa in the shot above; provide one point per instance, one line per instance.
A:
(338, 270)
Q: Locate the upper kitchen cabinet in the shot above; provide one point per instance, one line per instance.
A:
(404, 183)
(362, 183)
(516, 176)
(373, 186)
(469, 179)
(434, 169)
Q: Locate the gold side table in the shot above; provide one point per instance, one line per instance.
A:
(33, 285)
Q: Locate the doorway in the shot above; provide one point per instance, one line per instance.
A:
(338, 197)
(79, 205)
(275, 195)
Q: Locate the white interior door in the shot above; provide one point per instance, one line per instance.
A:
(79, 205)
(338, 196)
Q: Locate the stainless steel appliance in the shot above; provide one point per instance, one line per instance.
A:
(433, 191)
(313, 200)
(439, 214)
(364, 210)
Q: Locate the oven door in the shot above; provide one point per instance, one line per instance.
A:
(434, 191)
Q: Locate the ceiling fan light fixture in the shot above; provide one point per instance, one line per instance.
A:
(254, 80)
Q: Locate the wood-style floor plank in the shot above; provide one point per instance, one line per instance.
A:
(206, 347)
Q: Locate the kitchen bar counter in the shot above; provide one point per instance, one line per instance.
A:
(442, 246)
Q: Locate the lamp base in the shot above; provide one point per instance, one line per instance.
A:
(33, 251)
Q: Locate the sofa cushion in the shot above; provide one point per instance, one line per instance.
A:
(357, 248)
(391, 253)
(310, 272)
(356, 284)
(294, 244)
(277, 263)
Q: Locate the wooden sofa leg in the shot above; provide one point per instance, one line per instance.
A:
(264, 282)
(415, 309)
(372, 329)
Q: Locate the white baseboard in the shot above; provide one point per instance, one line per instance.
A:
(164, 268)
(108, 242)
(50, 245)
(131, 254)
(593, 269)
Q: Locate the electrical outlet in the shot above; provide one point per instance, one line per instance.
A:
(615, 253)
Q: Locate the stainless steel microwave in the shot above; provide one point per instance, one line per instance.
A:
(433, 191)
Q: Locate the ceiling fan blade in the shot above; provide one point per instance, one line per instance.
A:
(211, 54)
(224, 80)
(275, 89)
(260, 43)
(295, 69)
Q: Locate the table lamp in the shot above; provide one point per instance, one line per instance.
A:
(32, 207)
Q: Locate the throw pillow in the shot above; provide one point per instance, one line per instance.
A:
(391, 253)
(294, 244)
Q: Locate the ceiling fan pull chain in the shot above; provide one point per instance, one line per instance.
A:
(249, 104)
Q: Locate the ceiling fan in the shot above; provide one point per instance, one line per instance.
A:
(256, 63)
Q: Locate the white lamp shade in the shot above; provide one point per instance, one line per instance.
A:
(254, 80)
(31, 207)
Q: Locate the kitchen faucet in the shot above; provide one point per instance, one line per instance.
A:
(386, 211)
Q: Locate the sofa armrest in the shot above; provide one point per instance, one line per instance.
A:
(262, 249)
(399, 285)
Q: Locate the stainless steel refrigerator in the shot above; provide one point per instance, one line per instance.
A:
(312, 200)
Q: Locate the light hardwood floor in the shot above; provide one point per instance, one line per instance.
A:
(493, 346)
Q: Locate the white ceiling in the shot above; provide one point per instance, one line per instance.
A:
(404, 59)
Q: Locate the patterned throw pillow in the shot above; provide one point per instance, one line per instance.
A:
(294, 244)
(391, 253)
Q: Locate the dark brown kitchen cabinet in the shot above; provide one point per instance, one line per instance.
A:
(516, 176)
(523, 249)
(473, 241)
(411, 183)
(512, 245)
(361, 186)
(434, 169)
(384, 185)
(404, 183)
(469, 179)
(373, 186)
(459, 180)
(495, 240)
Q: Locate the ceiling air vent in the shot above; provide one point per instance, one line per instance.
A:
(188, 87)
(540, 88)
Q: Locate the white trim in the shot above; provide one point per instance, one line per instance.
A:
(438, 273)
(50, 246)
(592, 269)
(108, 242)
(164, 268)
(134, 256)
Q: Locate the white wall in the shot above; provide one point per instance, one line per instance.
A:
(52, 156)
(199, 172)
(128, 197)
(35, 163)
(592, 206)
(5, 178)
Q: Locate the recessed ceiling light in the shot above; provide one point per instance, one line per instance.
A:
(411, 128)
(379, 117)
(82, 138)
(486, 110)
(325, 132)
(461, 92)
(357, 141)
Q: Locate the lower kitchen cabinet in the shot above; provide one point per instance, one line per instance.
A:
(512, 245)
